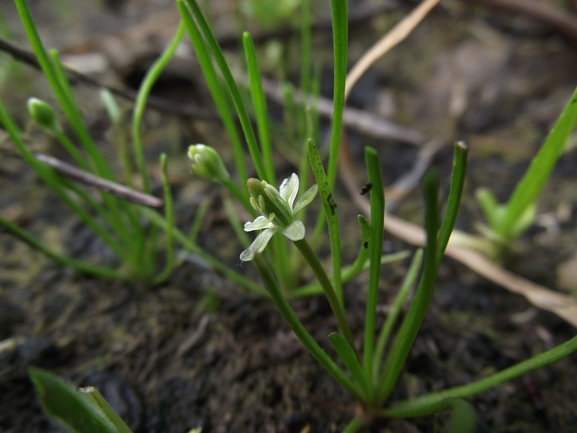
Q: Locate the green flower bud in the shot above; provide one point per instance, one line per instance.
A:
(207, 164)
(44, 115)
(266, 200)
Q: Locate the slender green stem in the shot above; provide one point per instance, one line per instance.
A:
(242, 198)
(235, 223)
(340, 47)
(299, 330)
(260, 107)
(481, 385)
(198, 219)
(216, 90)
(143, 92)
(232, 88)
(63, 260)
(72, 150)
(305, 63)
(396, 309)
(50, 178)
(325, 282)
(192, 247)
(412, 322)
(62, 86)
(439, 406)
(376, 248)
(169, 215)
(348, 273)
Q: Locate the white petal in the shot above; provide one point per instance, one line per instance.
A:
(306, 198)
(258, 224)
(295, 232)
(258, 245)
(289, 189)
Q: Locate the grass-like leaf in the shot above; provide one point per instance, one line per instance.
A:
(349, 358)
(540, 169)
(68, 407)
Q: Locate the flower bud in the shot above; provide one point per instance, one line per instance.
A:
(207, 164)
(266, 200)
(44, 115)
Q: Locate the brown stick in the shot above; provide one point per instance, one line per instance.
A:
(102, 184)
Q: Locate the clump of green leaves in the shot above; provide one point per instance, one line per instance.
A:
(506, 222)
(118, 222)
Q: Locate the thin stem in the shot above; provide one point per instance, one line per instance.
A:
(396, 309)
(63, 260)
(189, 245)
(299, 330)
(347, 274)
(260, 107)
(481, 385)
(232, 88)
(169, 214)
(323, 278)
(216, 90)
(140, 104)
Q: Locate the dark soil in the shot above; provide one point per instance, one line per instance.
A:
(198, 351)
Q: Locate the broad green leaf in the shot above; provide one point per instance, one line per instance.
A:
(63, 404)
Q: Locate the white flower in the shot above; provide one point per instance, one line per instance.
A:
(277, 213)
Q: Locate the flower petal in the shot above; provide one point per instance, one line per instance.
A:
(295, 232)
(258, 245)
(289, 188)
(258, 224)
(306, 198)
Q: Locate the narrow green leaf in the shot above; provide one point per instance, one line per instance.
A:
(349, 358)
(62, 403)
(95, 399)
(330, 208)
(216, 90)
(339, 14)
(414, 318)
(489, 382)
(377, 200)
(541, 167)
(231, 84)
(260, 107)
(454, 200)
(387, 329)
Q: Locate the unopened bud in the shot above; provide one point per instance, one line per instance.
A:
(207, 164)
(44, 115)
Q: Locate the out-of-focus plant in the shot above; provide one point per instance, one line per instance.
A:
(506, 222)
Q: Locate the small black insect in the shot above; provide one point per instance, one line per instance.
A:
(366, 245)
(366, 188)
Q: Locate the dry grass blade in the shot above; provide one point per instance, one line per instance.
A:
(89, 179)
(391, 39)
